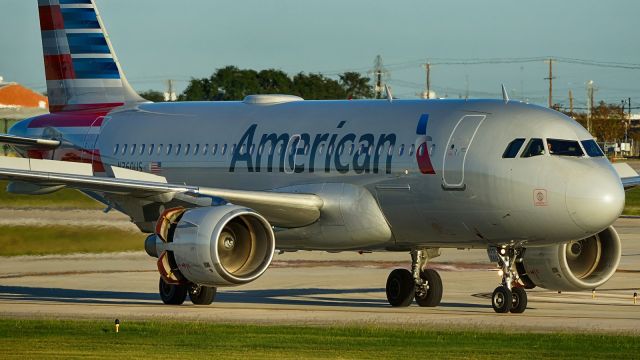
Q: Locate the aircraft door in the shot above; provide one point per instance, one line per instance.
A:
(456, 151)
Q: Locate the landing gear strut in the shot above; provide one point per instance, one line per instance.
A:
(422, 284)
(510, 296)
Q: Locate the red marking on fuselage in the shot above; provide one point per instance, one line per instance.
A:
(424, 161)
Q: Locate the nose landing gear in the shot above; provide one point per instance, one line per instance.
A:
(423, 285)
(510, 296)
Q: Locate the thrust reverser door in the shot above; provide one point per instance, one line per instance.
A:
(457, 150)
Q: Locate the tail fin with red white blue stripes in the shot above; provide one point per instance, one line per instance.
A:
(82, 71)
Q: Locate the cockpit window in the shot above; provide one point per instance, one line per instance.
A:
(592, 148)
(512, 149)
(564, 147)
(535, 147)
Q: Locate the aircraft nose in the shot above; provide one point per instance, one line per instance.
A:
(595, 199)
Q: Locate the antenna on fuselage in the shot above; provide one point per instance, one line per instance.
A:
(387, 89)
(505, 96)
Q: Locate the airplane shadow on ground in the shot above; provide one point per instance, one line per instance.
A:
(307, 297)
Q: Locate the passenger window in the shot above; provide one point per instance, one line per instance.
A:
(196, 149)
(390, 152)
(142, 149)
(124, 149)
(306, 149)
(242, 148)
(205, 149)
(133, 149)
(160, 149)
(233, 149)
(169, 147)
(592, 148)
(178, 148)
(330, 150)
(115, 149)
(186, 149)
(535, 147)
(251, 148)
(564, 147)
(151, 146)
(401, 150)
(411, 149)
(224, 149)
(320, 149)
(512, 149)
(351, 148)
(214, 149)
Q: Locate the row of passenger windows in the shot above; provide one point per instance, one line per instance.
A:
(197, 149)
(536, 147)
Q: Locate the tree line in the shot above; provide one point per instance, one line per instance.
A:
(232, 83)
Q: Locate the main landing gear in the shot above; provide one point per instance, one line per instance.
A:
(175, 294)
(510, 296)
(423, 285)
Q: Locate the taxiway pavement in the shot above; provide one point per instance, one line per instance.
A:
(317, 288)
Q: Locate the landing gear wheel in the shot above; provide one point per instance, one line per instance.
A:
(501, 299)
(519, 300)
(172, 294)
(400, 288)
(432, 296)
(202, 295)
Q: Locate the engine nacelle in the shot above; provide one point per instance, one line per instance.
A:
(213, 246)
(577, 265)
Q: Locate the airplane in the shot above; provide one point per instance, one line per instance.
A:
(220, 186)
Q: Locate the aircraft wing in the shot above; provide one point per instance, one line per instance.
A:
(281, 209)
(628, 176)
(29, 142)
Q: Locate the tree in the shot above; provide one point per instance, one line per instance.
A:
(153, 95)
(356, 86)
(607, 122)
(232, 83)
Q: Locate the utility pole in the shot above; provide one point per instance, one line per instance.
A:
(550, 78)
(570, 103)
(170, 95)
(427, 68)
(589, 104)
(378, 71)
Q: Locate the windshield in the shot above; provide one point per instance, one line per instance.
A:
(592, 148)
(564, 147)
(534, 148)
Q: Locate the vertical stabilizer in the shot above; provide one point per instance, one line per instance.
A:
(82, 71)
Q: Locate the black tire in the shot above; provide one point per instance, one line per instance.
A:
(172, 294)
(519, 300)
(501, 300)
(433, 295)
(202, 295)
(400, 288)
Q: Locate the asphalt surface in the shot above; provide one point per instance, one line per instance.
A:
(317, 288)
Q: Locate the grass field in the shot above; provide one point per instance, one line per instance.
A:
(41, 339)
(65, 199)
(28, 240)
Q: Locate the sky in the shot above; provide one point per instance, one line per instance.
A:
(156, 40)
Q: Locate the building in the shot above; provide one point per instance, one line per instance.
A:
(19, 102)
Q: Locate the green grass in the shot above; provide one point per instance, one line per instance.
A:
(29, 240)
(20, 339)
(632, 204)
(63, 199)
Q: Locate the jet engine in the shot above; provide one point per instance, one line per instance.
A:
(577, 265)
(217, 246)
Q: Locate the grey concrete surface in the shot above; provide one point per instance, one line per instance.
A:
(316, 288)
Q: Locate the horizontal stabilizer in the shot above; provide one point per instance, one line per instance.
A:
(31, 143)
